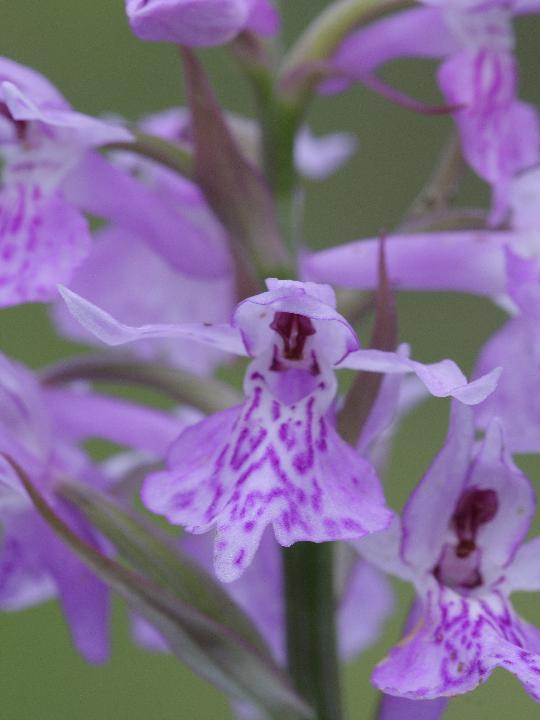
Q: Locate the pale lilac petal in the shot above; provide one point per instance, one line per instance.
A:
(188, 489)
(84, 598)
(83, 415)
(471, 261)
(24, 579)
(270, 463)
(500, 136)
(366, 605)
(515, 399)
(398, 708)
(32, 83)
(219, 335)
(428, 512)
(442, 379)
(421, 32)
(170, 216)
(455, 647)
(111, 276)
(523, 574)
(525, 200)
(42, 241)
(383, 551)
(382, 415)
(494, 469)
(196, 23)
(263, 18)
(88, 131)
(319, 157)
(335, 337)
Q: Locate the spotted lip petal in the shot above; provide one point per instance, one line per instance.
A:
(267, 463)
(220, 336)
(456, 645)
(42, 242)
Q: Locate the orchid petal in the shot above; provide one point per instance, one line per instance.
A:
(494, 469)
(220, 336)
(267, 463)
(442, 379)
(335, 337)
(515, 400)
(84, 598)
(111, 276)
(524, 571)
(42, 241)
(87, 415)
(420, 32)
(471, 261)
(455, 647)
(24, 580)
(428, 512)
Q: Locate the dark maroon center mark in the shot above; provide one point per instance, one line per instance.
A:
(475, 508)
(294, 330)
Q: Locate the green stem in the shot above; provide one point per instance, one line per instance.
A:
(207, 394)
(310, 621)
(279, 121)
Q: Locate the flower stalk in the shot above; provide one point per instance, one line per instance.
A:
(310, 621)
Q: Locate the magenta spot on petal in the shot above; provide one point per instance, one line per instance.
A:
(248, 527)
(239, 557)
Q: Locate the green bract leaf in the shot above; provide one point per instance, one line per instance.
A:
(235, 189)
(200, 623)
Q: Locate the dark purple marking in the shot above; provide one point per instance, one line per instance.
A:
(294, 330)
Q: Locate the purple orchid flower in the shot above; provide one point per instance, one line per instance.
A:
(269, 460)
(461, 543)
(500, 135)
(501, 265)
(200, 23)
(42, 237)
(39, 429)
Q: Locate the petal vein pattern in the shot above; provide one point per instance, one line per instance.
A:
(268, 462)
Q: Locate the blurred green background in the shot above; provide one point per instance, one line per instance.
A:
(87, 50)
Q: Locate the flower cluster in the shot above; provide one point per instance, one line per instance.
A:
(197, 266)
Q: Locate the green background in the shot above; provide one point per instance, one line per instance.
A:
(87, 50)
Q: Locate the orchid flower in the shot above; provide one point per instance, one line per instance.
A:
(501, 265)
(460, 541)
(269, 460)
(42, 237)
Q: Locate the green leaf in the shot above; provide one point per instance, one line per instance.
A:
(201, 625)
